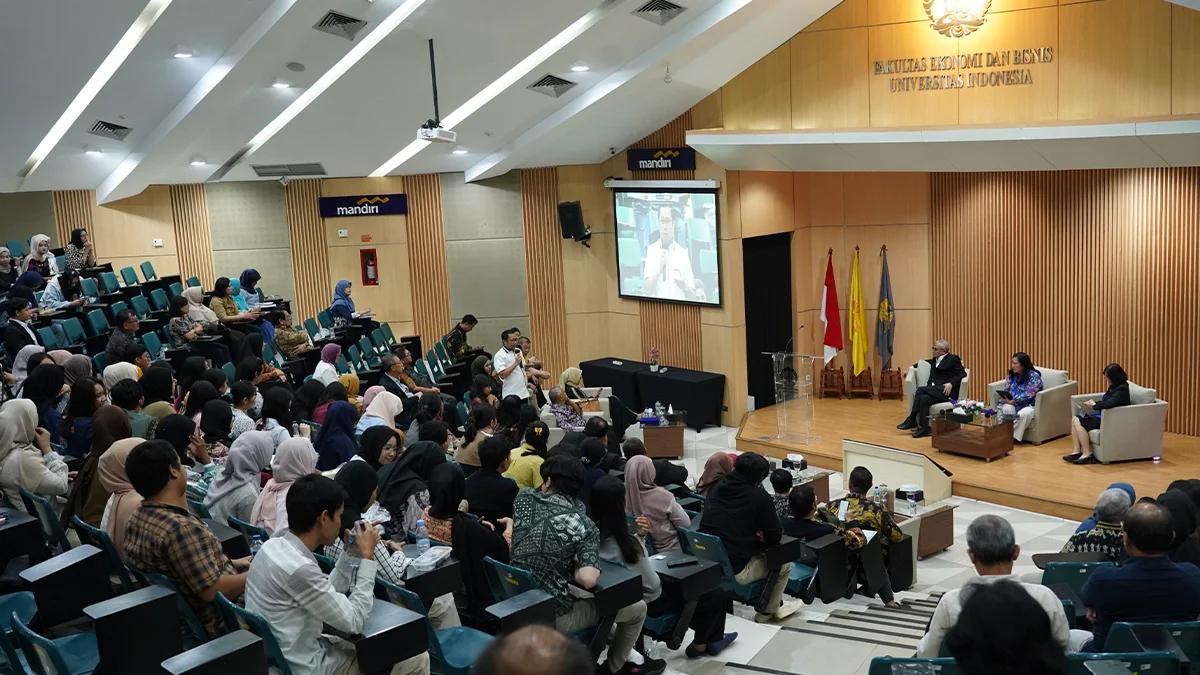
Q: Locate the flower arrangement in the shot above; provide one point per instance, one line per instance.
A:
(972, 408)
(654, 355)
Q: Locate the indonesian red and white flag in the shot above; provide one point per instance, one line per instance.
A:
(830, 314)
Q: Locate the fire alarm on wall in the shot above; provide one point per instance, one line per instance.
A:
(158, 243)
(343, 233)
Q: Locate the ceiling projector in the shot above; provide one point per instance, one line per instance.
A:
(433, 132)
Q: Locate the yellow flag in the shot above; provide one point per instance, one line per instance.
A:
(858, 320)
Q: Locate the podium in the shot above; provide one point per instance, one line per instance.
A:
(793, 396)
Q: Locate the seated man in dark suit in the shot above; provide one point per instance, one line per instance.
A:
(19, 332)
(489, 494)
(1148, 586)
(946, 373)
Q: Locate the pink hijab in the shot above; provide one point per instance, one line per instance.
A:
(370, 395)
(644, 498)
(293, 459)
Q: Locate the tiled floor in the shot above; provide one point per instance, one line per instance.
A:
(782, 649)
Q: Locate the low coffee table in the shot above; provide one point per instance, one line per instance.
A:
(988, 439)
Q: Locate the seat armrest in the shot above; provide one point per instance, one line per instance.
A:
(523, 609)
(1078, 399)
(992, 388)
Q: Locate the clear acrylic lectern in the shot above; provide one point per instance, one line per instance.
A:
(793, 396)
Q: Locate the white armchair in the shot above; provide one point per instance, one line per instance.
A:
(919, 375)
(1051, 408)
(1130, 432)
(556, 434)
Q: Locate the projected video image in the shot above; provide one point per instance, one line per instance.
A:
(667, 246)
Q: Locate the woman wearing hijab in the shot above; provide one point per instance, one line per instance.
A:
(21, 367)
(335, 441)
(26, 458)
(44, 387)
(123, 501)
(249, 292)
(380, 446)
(87, 395)
(87, 499)
(470, 539)
(719, 465)
(382, 411)
(644, 499)
(294, 458)
(158, 390)
(8, 270)
(79, 253)
(77, 367)
(326, 371)
(342, 305)
(404, 485)
(370, 394)
(362, 487)
(333, 393)
(1185, 547)
(180, 432)
(525, 460)
(351, 385)
(235, 488)
(63, 292)
(40, 259)
(276, 418)
(26, 286)
(120, 371)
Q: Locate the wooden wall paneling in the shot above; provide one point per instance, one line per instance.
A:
(768, 202)
(1016, 104)
(1116, 252)
(125, 230)
(544, 266)
(310, 256)
(1114, 59)
(760, 98)
(845, 14)
(909, 108)
(707, 114)
(72, 209)
(193, 236)
(830, 85)
(1185, 61)
(885, 198)
(675, 329)
(427, 256)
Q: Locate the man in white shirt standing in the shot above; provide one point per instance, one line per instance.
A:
(509, 363)
(287, 588)
(668, 267)
(992, 548)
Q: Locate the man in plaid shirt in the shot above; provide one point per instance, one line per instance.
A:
(164, 536)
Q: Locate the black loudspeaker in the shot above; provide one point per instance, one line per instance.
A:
(570, 218)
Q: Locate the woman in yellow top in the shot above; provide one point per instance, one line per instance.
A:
(525, 462)
(223, 305)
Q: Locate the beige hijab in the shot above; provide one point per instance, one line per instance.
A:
(571, 376)
(124, 501)
(196, 309)
(118, 372)
(386, 406)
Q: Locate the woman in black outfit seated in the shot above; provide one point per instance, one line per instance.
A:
(1088, 418)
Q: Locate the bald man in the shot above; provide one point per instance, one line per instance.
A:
(534, 650)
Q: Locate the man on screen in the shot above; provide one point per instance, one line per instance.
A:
(668, 268)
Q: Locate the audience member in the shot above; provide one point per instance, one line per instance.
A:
(63, 292)
(235, 488)
(226, 309)
(434, 431)
(249, 287)
(191, 332)
(87, 497)
(351, 386)
(335, 441)
(534, 370)
(79, 251)
(992, 548)
(290, 340)
(1090, 522)
(1088, 419)
(807, 521)
(333, 392)
(480, 426)
(26, 458)
(456, 339)
(40, 259)
(86, 396)
(379, 446)
(666, 472)
(381, 411)
(293, 459)
(404, 484)
(138, 355)
(158, 389)
(216, 423)
(592, 452)
(243, 396)
(306, 399)
(8, 271)
(716, 467)
(326, 371)
(288, 589)
(276, 418)
(342, 306)
(741, 513)
(1148, 586)
(45, 387)
(534, 650)
(510, 366)
(567, 413)
(198, 396)
(481, 391)
(647, 501)
(127, 395)
(1106, 537)
(123, 500)
(559, 545)
(781, 485)
(19, 332)
(115, 372)
(617, 543)
(123, 337)
(490, 494)
(191, 371)
(482, 365)
(163, 536)
(1001, 629)
(219, 380)
(180, 432)
(361, 485)
(858, 510)
(1185, 547)
(77, 366)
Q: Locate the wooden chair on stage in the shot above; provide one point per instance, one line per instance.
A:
(891, 383)
(833, 382)
(862, 384)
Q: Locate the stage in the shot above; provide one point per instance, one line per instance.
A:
(1033, 477)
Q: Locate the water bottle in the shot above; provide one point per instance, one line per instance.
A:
(912, 503)
(255, 544)
(876, 497)
(422, 537)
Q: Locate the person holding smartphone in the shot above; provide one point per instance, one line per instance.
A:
(1016, 401)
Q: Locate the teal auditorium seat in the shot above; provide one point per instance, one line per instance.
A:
(175, 289)
(343, 367)
(506, 581)
(108, 282)
(99, 538)
(22, 605)
(148, 272)
(115, 309)
(1140, 663)
(311, 327)
(141, 306)
(1183, 636)
(97, 323)
(159, 300)
(194, 633)
(239, 618)
(387, 333)
(129, 276)
(89, 287)
(153, 344)
(1074, 575)
(248, 530)
(69, 655)
(889, 665)
(100, 361)
(451, 650)
(73, 329)
(193, 281)
(325, 318)
(47, 515)
(17, 248)
(709, 547)
(230, 372)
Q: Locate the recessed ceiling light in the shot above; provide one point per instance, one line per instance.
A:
(459, 151)
(93, 151)
(120, 51)
(198, 161)
(580, 68)
(280, 84)
(182, 52)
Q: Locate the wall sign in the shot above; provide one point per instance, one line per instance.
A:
(363, 205)
(962, 71)
(957, 18)
(661, 159)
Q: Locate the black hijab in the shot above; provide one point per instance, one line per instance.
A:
(409, 475)
(372, 442)
(1185, 547)
(157, 384)
(359, 481)
(216, 421)
(177, 430)
(447, 487)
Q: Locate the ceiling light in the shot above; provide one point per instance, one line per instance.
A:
(280, 84)
(459, 151)
(93, 151)
(580, 68)
(359, 50)
(198, 161)
(120, 51)
(500, 84)
(182, 52)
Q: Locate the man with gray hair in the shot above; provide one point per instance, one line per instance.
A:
(946, 374)
(992, 548)
(1107, 536)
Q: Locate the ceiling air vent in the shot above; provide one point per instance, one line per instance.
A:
(340, 25)
(551, 85)
(288, 170)
(109, 130)
(659, 11)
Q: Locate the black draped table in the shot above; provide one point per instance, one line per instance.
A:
(701, 394)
